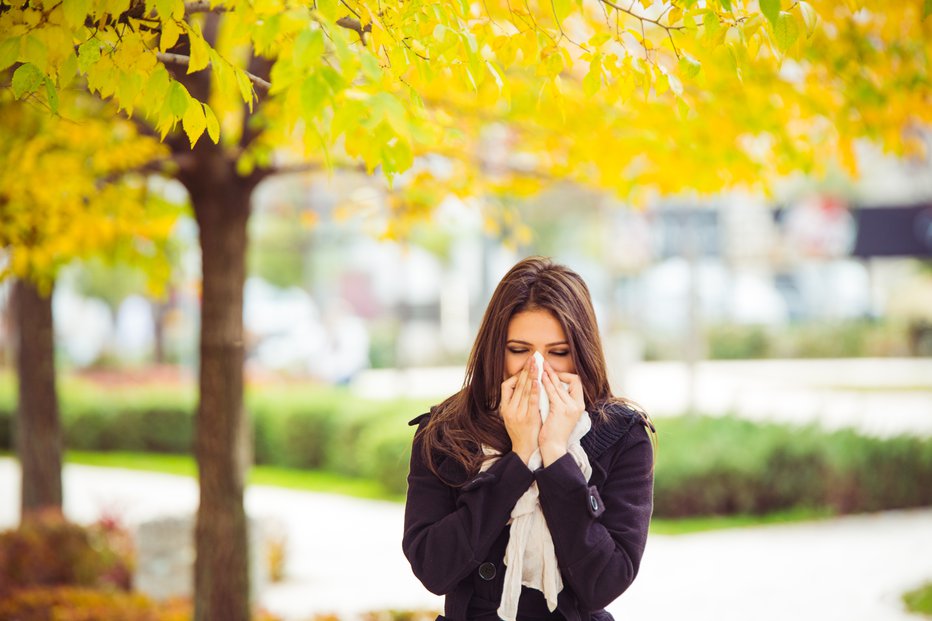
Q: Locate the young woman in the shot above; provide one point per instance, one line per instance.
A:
(510, 514)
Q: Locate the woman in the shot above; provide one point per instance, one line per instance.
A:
(486, 451)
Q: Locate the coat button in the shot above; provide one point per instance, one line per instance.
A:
(593, 503)
(487, 571)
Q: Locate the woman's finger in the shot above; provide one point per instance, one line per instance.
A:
(527, 389)
(550, 387)
(575, 385)
(508, 388)
(561, 393)
(533, 405)
(519, 386)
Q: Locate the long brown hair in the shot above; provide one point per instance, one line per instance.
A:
(458, 427)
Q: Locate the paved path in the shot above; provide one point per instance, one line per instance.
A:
(850, 569)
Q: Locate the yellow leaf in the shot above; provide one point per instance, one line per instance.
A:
(849, 160)
(213, 126)
(194, 121)
(200, 50)
(170, 33)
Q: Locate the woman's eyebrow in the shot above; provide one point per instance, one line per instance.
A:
(520, 342)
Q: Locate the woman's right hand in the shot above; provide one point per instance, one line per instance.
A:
(520, 410)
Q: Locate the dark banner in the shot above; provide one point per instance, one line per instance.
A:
(893, 231)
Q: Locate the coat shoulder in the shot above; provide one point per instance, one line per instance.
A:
(615, 422)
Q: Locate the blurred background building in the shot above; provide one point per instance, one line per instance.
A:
(835, 270)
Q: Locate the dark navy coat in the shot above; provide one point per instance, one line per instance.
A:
(455, 537)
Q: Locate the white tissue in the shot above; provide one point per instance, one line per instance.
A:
(544, 402)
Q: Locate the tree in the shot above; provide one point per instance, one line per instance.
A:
(65, 193)
(635, 97)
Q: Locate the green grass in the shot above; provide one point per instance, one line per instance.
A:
(685, 526)
(183, 465)
(318, 481)
(919, 600)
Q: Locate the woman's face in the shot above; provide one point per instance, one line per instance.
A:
(536, 330)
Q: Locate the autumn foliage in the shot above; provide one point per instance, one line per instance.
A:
(633, 96)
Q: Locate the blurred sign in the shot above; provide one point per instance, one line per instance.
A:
(685, 231)
(894, 231)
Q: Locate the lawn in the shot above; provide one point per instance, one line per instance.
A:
(920, 600)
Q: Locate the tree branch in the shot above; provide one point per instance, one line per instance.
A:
(183, 61)
(202, 6)
(356, 26)
(643, 18)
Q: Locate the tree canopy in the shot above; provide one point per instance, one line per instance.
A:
(630, 96)
(73, 188)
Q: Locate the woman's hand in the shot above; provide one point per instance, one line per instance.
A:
(566, 406)
(520, 410)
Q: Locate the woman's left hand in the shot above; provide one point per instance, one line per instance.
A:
(566, 406)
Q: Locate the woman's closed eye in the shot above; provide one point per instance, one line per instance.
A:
(517, 350)
(561, 352)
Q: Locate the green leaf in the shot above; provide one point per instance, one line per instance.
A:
(213, 125)
(36, 51)
(52, 94)
(88, 54)
(75, 11)
(194, 122)
(810, 18)
(308, 47)
(771, 10)
(386, 106)
(170, 9)
(9, 52)
(689, 66)
(158, 84)
(314, 91)
(786, 30)
(68, 70)
(561, 9)
(26, 79)
(177, 98)
(496, 75)
(926, 8)
(600, 39)
(245, 87)
(370, 66)
(553, 64)
(726, 4)
(710, 23)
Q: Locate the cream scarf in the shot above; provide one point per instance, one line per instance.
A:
(530, 559)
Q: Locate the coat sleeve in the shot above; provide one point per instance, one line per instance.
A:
(599, 535)
(448, 534)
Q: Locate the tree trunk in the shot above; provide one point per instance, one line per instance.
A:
(221, 201)
(221, 206)
(38, 432)
(160, 311)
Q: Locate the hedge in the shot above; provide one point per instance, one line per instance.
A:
(704, 465)
(308, 427)
(721, 466)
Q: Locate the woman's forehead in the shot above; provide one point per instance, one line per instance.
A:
(537, 326)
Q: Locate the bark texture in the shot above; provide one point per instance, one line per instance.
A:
(38, 430)
(221, 206)
(221, 200)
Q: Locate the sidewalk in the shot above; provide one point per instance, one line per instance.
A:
(852, 568)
